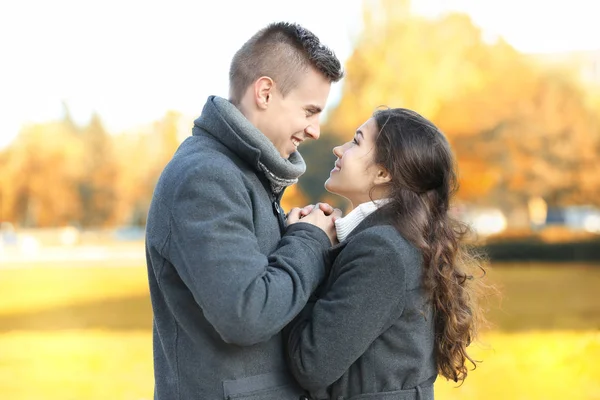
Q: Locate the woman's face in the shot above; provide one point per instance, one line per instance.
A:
(355, 172)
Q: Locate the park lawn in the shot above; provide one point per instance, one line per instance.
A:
(76, 365)
(84, 334)
(97, 365)
(536, 365)
(42, 287)
(545, 296)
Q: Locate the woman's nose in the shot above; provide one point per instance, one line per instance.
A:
(337, 150)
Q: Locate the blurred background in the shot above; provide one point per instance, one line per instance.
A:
(96, 96)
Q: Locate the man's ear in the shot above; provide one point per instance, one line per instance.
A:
(263, 89)
(382, 176)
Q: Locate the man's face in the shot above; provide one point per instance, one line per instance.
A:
(290, 120)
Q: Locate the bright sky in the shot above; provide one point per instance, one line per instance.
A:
(132, 60)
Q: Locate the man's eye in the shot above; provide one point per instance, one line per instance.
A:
(354, 141)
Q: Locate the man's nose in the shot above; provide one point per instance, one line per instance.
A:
(314, 131)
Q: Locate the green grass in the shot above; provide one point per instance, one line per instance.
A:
(84, 333)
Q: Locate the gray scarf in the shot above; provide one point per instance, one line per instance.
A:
(279, 171)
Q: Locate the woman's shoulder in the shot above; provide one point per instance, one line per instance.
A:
(381, 235)
(388, 252)
(382, 241)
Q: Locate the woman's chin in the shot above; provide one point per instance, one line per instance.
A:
(331, 188)
(328, 186)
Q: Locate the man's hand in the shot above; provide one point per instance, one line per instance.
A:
(304, 211)
(321, 215)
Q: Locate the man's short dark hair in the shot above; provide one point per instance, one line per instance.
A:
(281, 51)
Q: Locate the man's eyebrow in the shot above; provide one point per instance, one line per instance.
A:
(314, 109)
(359, 132)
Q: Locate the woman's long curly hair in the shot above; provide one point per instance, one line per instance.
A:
(420, 161)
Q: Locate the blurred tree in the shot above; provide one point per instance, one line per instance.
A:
(138, 167)
(546, 147)
(4, 187)
(441, 68)
(141, 158)
(167, 130)
(518, 130)
(293, 197)
(401, 60)
(40, 176)
(97, 191)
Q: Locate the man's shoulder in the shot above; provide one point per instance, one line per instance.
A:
(200, 155)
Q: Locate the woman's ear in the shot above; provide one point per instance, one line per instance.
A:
(382, 176)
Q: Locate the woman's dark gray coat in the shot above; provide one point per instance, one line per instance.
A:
(370, 334)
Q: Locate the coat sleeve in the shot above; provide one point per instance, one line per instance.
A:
(247, 296)
(331, 334)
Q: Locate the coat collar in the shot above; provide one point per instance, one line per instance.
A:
(376, 218)
(228, 125)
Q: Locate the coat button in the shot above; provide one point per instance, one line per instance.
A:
(303, 397)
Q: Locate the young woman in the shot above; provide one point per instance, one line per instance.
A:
(399, 305)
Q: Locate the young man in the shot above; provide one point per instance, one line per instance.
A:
(226, 274)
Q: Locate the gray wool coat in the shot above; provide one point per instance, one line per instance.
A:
(225, 274)
(369, 334)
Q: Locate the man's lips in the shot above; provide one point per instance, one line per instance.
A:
(296, 141)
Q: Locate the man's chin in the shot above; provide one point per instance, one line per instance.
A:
(289, 154)
(285, 154)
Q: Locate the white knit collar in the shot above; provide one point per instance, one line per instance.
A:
(344, 226)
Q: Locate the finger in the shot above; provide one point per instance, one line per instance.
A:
(293, 211)
(326, 208)
(336, 214)
(316, 210)
(294, 215)
(306, 210)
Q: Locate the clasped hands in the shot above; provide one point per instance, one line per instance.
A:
(321, 215)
